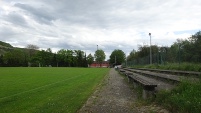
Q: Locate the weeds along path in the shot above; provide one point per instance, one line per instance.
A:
(114, 96)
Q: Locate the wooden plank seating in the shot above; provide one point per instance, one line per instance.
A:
(124, 72)
(153, 81)
(162, 76)
(136, 79)
(178, 72)
(121, 70)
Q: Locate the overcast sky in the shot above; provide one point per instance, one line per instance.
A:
(110, 24)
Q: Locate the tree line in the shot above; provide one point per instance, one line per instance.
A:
(183, 50)
(33, 57)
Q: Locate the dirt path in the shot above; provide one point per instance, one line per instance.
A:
(115, 96)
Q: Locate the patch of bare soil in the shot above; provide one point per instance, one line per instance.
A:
(116, 96)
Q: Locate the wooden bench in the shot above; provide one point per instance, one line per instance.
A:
(121, 70)
(162, 76)
(136, 79)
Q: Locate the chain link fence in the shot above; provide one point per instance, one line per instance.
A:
(160, 58)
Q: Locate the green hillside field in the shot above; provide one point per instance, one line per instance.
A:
(45, 90)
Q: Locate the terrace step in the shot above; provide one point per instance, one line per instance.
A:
(162, 76)
(178, 72)
(161, 85)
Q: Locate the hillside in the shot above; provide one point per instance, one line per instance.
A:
(4, 44)
(4, 47)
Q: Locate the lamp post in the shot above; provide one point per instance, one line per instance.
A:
(150, 49)
(126, 61)
(179, 54)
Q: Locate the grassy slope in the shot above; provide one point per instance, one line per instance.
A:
(176, 66)
(47, 89)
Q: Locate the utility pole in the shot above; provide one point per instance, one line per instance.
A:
(150, 49)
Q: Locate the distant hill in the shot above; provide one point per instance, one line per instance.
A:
(4, 44)
(4, 47)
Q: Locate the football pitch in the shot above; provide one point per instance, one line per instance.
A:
(47, 90)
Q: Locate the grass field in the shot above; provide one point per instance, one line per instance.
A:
(45, 90)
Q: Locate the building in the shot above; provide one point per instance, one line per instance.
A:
(103, 64)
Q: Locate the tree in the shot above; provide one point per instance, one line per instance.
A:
(1, 60)
(99, 56)
(79, 57)
(133, 55)
(117, 57)
(61, 56)
(54, 60)
(90, 59)
(44, 57)
(85, 61)
(194, 47)
(14, 58)
(32, 50)
(33, 47)
(49, 50)
(69, 57)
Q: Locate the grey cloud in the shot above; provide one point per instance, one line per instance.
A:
(7, 33)
(41, 15)
(83, 12)
(95, 14)
(16, 19)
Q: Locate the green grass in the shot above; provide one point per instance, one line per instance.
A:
(186, 98)
(45, 90)
(176, 66)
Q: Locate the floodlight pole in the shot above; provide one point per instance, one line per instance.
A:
(150, 49)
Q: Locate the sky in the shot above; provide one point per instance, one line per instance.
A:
(110, 24)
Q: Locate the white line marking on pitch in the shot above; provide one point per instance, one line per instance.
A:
(37, 88)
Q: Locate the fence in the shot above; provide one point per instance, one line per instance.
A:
(159, 58)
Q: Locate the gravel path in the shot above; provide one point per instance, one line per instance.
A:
(115, 96)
